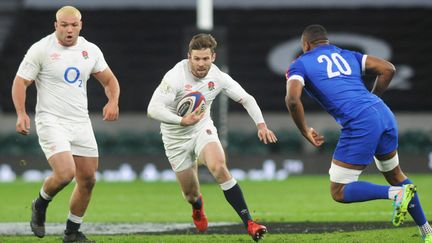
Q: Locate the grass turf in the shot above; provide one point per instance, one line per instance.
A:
(299, 198)
(400, 235)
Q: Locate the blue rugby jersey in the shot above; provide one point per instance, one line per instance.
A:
(332, 76)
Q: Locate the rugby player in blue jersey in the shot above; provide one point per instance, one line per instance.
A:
(333, 77)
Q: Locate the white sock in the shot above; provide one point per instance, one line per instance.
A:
(75, 219)
(393, 191)
(44, 195)
(228, 184)
(425, 229)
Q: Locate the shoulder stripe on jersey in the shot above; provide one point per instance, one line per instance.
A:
(363, 67)
(297, 77)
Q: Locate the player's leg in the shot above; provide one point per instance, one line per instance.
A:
(388, 164)
(346, 188)
(56, 147)
(354, 151)
(81, 195)
(213, 156)
(63, 170)
(85, 155)
(210, 152)
(189, 184)
(179, 152)
(387, 161)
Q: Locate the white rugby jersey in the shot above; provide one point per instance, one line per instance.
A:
(61, 75)
(178, 82)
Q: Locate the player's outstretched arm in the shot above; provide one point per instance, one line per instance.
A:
(384, 71)
(19, 88)
(295, 106)
(112, 91)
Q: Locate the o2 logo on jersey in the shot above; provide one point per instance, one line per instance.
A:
(71, 76)
(338, 61)
(281, 56)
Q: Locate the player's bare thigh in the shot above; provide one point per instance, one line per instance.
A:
(62, 165)
(213, 156)
(85, 167)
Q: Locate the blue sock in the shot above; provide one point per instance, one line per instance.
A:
(360, 191)
(414, 207)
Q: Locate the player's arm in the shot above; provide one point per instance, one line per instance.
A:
(162, 98)
(384, 71)
(19, 88)
(112, 91)
(27, 72)
(294, 89)
(264, 134)
(238, 94)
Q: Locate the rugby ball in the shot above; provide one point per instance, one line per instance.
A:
(190, 102)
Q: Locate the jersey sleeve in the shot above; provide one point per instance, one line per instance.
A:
(233, 89)
(361, 59)
(31, 63)
(100, 64)
(163, 97)
(296, 71)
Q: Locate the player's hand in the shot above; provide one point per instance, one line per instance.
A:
(23, 124)
(314, 137)
(110, 111)
(265, 135)
(193, 118)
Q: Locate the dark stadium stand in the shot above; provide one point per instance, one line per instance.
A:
(141, 45)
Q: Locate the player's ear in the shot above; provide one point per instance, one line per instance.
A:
(306, 46)
(213, 56)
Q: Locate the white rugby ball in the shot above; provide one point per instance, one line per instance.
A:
(190, 102)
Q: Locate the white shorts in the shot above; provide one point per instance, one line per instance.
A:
(58, 136)
(183, 153)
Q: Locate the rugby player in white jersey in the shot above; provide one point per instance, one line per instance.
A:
(60, 65)
(193, 139)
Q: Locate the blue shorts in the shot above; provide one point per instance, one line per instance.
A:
(373, 132)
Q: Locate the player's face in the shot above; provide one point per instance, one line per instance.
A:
(67, 29)
(200, 62)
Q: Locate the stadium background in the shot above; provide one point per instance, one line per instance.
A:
(141, 40)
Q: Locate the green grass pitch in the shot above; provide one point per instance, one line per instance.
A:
(297, 199)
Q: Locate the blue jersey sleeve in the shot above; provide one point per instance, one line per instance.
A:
(296, 68)
(361, 59)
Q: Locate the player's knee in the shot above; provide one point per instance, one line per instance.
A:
(65, 177)
(339, 177)
(337, 195)
(218, 169)
(221, 174)
(87, 183)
